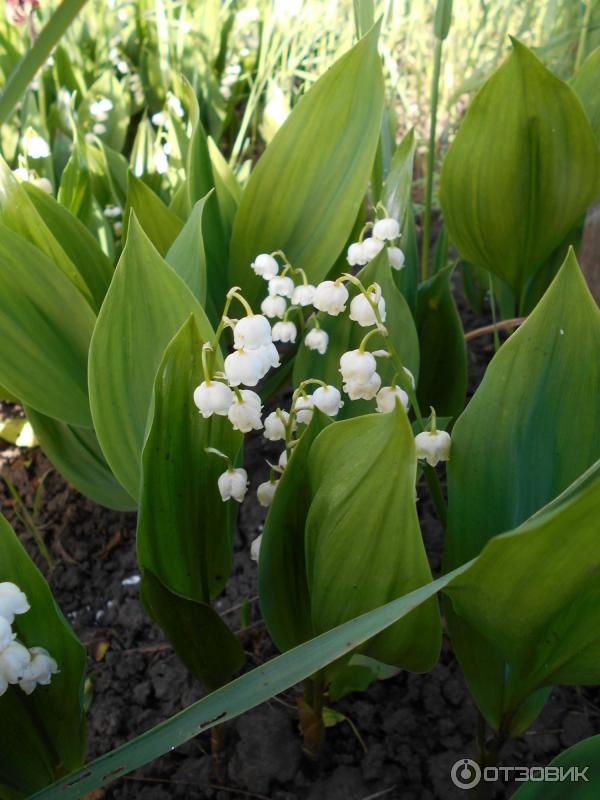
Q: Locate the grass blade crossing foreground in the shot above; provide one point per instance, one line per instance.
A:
(27, 67)
(241, 695)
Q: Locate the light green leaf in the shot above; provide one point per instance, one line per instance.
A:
(76, 454)
(362, 523)
(443, 375)
(46, 329)
(586, 756)
(42, 736)
(179, 490)
(160, 224)
(145, 306)
(521, 172)
(186, 254)
(585, 84)
(305, 192)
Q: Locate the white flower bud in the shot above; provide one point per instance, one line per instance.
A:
(252, 332)
(275, 425)
(282, 286)
(14, 659)
(39, 671)
(328, 400)
(273, 306)
(266, 493)
(37, 147)
(386, 399)
(255, 548)
(358, 366)
(113, 212)
(396, 257)
(43, 184)
(244, 366)
(265, 266)
(387, 228)
(330, 297)
(361, 310)
(244, 412)
(356, 255)
(410, 376)
(284, 332)
(317, 339)
(213, 398)
(372, 247)
(304, 408)
(303, 295)
(6, 633)
(433, 446)
(21, 173)
(283, 459)
(268, 356)
(363, 391)
(233, 484)
(12, 601)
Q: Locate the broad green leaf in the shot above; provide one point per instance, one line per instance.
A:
(241, 695)
(443, 374)
(76, 454)
(363, 522)
(111, 125)
(305, 192)
(42, 736)
(19, 214)
(527, 615)
(344, 335)
(521, 172)
(160, 224)
(584, 756)
(357, 674)
(145, 306)
(585, 84)
(516, 446)
(77, 242)
(179, 491)
(203, 642)
(46, 328)
(283, 588)
(186, 254)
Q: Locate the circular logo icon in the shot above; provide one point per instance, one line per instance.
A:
(465, 773)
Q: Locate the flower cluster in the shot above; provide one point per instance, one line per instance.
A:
(293, 304)
(19, 665)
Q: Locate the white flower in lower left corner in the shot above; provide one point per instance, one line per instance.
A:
(39, 671)
(233, 484)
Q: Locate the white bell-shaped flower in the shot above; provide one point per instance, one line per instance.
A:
(244, 367)
(386, 399)
(331, 297)
(14, 660)
(317, 339)
(433, 446)
(244, 412)
(396, 257)
(6, 633)
(386, 229)
(43, 184)
(252, 332)
(282, 286)
(266, 493)
(12, 601)
(275, 424)
(37, 147)
(361, 310)
(255, 548)
(213, 398)
(304, 408)
(233, 484)
(328, 400)
(265, 266)
(39, 671)
(303, 295)
(372, 247)
(269, 357)
(273, 306)
(284, 332)
(363, 391)
(283, 460)
(356, 255)
(358, 366)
